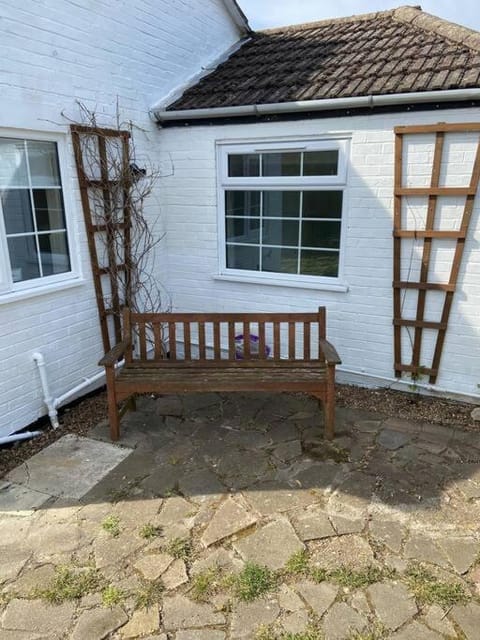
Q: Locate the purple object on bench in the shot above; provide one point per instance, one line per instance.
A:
(254, 346)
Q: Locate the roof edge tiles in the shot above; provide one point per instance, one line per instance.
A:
(410, 14)
(428, 22)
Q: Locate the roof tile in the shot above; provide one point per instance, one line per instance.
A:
(397, 51)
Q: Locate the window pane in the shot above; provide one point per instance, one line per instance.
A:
(48, 209)
(279, 260)
(320, 163)
(17, 210)
(281, 203)
(322, 204)
(43, 162)
(243, 165)
(23, 258)
(54, 253)
(281, 232)
(319, 263)
(13, 166)
(243, 230)
(281, 164)
(242, 203)
(321, 234)
(239, 257)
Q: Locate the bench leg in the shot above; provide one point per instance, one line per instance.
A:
(113, 417)
(329, 405)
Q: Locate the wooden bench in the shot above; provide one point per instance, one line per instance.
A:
(197, 352)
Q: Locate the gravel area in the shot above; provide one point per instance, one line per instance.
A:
(81, 416)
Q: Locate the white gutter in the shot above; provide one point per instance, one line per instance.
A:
(318, 105)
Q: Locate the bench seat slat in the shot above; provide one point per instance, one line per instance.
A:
(182, 381)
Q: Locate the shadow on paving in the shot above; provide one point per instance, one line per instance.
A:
(271, 448)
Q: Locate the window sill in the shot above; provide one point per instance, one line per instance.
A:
(339, 287)
(25, 294)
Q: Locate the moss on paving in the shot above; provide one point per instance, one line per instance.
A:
(111, 525)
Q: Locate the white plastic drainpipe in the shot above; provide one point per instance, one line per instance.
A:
(47, 396)
(19, 436)
(53, 403)
(432, 388)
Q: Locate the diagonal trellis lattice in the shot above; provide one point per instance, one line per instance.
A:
(103, 166)
(429, 235)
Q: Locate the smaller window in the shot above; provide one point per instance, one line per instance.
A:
(32, 207)
(283, 208)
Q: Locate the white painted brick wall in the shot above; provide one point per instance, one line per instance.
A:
(360, 320)
(102, 53)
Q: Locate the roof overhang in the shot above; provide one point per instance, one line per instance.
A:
(237, 15)
(308, 106)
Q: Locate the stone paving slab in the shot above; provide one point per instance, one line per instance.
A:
(69, 467)
(271, 546)
(214, 483)
(19, 499)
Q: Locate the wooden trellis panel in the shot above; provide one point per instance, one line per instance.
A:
(429, 235)
(117, 231)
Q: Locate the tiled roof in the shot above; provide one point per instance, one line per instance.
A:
(399, 51)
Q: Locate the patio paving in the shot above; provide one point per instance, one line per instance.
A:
(209, 497)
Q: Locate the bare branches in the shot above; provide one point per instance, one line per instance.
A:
(119, 188)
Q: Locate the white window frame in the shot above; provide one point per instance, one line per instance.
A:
(10, 290)
(285, 183)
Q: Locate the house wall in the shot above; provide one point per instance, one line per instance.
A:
(111, 55)
(359, 319)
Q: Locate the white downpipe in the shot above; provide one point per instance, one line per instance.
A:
(19, 436)
(47, 396)
(53, 403)
(318, 105)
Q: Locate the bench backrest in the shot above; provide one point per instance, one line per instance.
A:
(219, 337)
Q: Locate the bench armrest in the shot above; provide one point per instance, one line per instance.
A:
(112, 357)
(329, 352)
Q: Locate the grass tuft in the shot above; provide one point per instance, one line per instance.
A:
(149, 531)
(428, 589)
(179, 548)
(376, 632)
(357, 579)
(298, 563)
(112, 596)
(70, 584)
(207, 583)
(111, 525)
(148, 594)
(270, 632)
(253, 581)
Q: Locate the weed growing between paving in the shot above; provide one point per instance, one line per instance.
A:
(209, 582)
(112, 596)
(377, 632)
(70, 584)
(179, 548)
(344, 576)
(148, 594)
(271, 632)
(253, 581)
(428, 589)
(149, 531)
(297, 564)
(111, 525)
